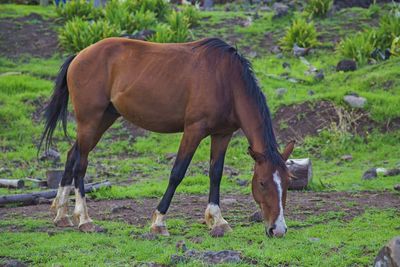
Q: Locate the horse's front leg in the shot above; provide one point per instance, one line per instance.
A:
(192, 137)
(213, 217)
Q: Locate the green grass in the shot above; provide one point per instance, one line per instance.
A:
(323, 239)
(14, 11)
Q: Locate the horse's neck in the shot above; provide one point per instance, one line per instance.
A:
(251, 122)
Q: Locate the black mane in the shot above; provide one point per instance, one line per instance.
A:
(253, 89)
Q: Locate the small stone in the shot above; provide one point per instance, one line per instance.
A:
(280, 9)
(118, 209)
(217, 231)
(197, 240)
(311, 92)
(148, 236)
(241, 182)
(346, 65)
(13, 263)
(286, 65)
(370, 174)
(347, 157)
(50, 154)
(381, 170)
(170, 156)
(256, 217)
(319, 76)
(355, 101)
(276, 50)
(391, 172)
(300, 51)
(389, 255)
(181, 246)
(280, 92)
(397, 187)
(314, 239)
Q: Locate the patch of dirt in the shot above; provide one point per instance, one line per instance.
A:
(27, 35)
(300, 120)
(236, 208)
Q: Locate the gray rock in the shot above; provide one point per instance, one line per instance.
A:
(280, 9)
(370, 174)
(286, 65)
(314, 239)
(319, 75)
(241, 182)
(280, 92)
(355, 101)
(265, 9)
(397, 187)
(300, 51)
(13, 263)
(311, 92)
(50, 154)
(276, 50)
(392, 172)
(347, 157)
(256, 217)
(209, 257)
(346, 65)
(389, 255)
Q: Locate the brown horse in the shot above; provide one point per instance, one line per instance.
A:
(202, 88)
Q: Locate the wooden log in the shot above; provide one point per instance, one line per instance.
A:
(301, 170)
(12, 183)
(39, 182)
(30, 198)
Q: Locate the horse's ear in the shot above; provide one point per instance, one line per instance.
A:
(288, 150)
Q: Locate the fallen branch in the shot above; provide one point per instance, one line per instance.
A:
(12, 183)
(32, 198)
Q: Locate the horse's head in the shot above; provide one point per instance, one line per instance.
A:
(269, 187)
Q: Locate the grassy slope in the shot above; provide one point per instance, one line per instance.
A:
(144, 161)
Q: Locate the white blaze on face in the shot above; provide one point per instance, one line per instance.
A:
(280, 224)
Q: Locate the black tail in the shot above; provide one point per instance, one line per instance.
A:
(57, 110)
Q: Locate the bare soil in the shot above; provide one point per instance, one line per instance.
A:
(236, 208)
(28, 35)
(300, 120)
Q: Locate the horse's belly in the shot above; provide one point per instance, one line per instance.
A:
(151, 114)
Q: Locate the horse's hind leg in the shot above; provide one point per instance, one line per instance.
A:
(89, 133)
(60, 203)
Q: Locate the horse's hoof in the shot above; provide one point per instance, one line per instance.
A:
(64, 222)
(88, 227)
(159, 230)
(225, 227)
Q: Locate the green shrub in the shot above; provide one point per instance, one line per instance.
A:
(79, 34)
(77, 8)
(118, 15)
(358, 47)
(191, 12)
(395, 48)
(302, 33)
(176, 31)
(389, 28)
(318, 8)
(160, 7)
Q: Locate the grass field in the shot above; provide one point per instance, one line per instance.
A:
(139, 166)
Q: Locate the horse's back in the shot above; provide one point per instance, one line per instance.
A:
(156, 86)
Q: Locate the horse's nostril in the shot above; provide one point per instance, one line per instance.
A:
(270, 230)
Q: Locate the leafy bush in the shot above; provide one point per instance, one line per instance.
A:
(160, 7)
(118, 15)
(163, 34)
(79, 34)
(77, 8)
(179, 24)
(395, 48)
(191, 12)
(302, 33)
(318, 8)
(358, 47)
(389, 29)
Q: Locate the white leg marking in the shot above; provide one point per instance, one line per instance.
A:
(158, 219)
(214, 217)
(280, 221)
(81, 210)
(61, 202)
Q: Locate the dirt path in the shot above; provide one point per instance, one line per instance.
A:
(236, 208)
